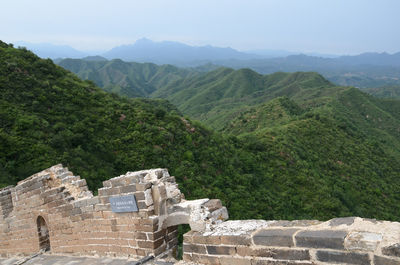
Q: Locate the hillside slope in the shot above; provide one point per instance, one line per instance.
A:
(334, 152)
(128, 79)
(49, 116)
(219, 96)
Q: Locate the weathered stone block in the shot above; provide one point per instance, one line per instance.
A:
(139, 195)
(118, 181)
(102, 207)
(192, 248)
(343, 257)
(221, 250)
(386, 261)
(213, 205)
(234, 261)
(206, 259)
(275, 237)
(198, 238)
(294, 223)
(94, 200)
(393, 250)
(141, 205)
(342, 221)
(280, 262)
(290, 254)
(236, 240)
(276, 253)
(148, 199)
(128, 188)
(321, 239)
(143, 186)
(364, 241)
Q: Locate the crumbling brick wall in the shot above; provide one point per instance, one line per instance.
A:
(56, 206)
(256, 242)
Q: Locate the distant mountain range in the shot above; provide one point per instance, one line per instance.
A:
(47, 50)
(169, 52)
(367, 70)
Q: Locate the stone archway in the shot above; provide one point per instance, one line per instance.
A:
(43, 233)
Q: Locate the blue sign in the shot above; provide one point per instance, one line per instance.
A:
(123, 204)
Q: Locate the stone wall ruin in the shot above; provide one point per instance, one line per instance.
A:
(55, 210)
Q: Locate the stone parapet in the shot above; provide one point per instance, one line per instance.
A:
(350, 240)
(55, 210)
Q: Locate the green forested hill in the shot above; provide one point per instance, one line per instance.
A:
(305, 149)
(220, 95)
(385, 91)
(214, 97)
(128, 79)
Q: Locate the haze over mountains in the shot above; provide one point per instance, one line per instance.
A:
(367, 70)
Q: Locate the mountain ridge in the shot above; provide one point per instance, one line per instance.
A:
(333, 152)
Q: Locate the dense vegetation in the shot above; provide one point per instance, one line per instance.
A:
(298, 147)
(385, 91)
(129, 79)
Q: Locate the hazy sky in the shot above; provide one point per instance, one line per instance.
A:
(326, 26)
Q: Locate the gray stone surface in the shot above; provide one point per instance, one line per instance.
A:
(342, 221)
(343, 257)
(275, 237)
(290, 254)
(385, 261)
(48, 259)
(294, 223)
(393, 250)
(321, 239)
(364, 241)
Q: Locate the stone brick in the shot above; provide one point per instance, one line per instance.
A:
(343, 257)
(364, 241)
(290, 254)
(192, 248)
(275, 237)
(279, 262)
(139, 195)
(342, 221)
(143, 186)
(210, 240)
(187, 257)
(234, 261)
(188, 237)
(213, 205)
(221, 250)
(247, 251)
(128, 188)
(141, 205)
(386, 261)
(236, 240)
(145, 244)
(321, 239)
(109, 191)
(157, 235)
(393, 250)
(205, 259)
(118, 182)
(102, 207)
(92, 201)
(276, 253)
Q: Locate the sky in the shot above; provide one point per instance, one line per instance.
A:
(324, 26)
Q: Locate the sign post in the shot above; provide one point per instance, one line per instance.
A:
(123, 204)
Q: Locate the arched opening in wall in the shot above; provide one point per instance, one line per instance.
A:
(43, 233)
